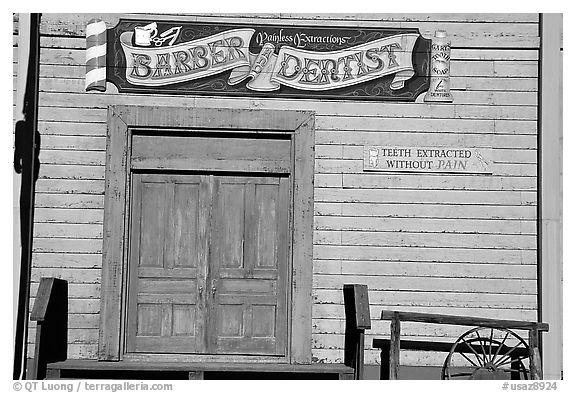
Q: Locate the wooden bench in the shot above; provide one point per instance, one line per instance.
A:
(73, 368)
(50, 360)
(50, 313)
(390, 348)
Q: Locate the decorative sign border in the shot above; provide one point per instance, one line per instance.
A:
(435, 159)
(378, 64)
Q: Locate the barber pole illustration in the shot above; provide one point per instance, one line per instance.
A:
(96, 55)
(439, 90)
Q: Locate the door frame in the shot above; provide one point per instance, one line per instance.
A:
(122, 121)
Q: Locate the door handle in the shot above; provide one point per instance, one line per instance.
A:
(200, 290)
(213, 288)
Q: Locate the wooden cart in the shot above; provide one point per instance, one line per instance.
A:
(490, 350)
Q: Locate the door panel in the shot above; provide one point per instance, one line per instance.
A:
(167, 264)
(248, 311)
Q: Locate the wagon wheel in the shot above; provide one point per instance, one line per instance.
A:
(487, 353)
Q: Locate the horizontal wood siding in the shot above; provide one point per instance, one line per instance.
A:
(456, 244)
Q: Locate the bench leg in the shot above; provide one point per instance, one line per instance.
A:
(385, 363)
(196, 375)
(52, 373)
(515, 366)
(535, 361)
(394, 347)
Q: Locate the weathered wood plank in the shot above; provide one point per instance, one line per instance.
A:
(494, 54)
(331, 311)
(397, 110)
(480, 285)
(88, 115)
(70, 201)
(82, 351)
(71, 275)
(409, 138)
(497, 98)
(85, 246)
(64, 23)
(78, 128)
(76, 231)
(78, 172)
(353, 227)
(371, 356)
(70, 186)
(77, 336)
(49, 83)
(408, 17)
(425, 269)
(426, 239)
(83, 321)
(59, 215)
(53, 142)
(424, 299)
(63, 42)
(63, 260)
(427, 254)
(424, 181)
(431, 196)
(476, 34)
(72, 157)
(429, 210)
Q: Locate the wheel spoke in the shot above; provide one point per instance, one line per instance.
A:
(511, 360)
(474, 352)
(491, 341)
(469, 360)
(500, 347)
(482, 342)
(507, 354)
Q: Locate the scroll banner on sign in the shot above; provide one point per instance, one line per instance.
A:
(270, 68)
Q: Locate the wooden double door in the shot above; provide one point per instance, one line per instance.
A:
(208, 264)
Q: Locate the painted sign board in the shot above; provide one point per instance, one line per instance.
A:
(427, 159)
(387, 64)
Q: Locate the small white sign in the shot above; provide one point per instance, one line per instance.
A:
(427, 159)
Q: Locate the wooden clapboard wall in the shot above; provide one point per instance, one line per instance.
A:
(458, 244)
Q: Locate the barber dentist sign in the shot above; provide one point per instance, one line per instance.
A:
(262, 60)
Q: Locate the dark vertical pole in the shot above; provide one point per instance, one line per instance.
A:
(359, 366)
(535, 360)
(27, 145)
(515, 366)
(394, 346)
(385, 362)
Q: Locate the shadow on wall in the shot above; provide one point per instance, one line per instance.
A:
(26, 151)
